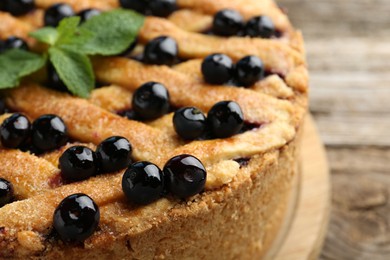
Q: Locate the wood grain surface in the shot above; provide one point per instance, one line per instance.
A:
(307, 224)
(348, 48)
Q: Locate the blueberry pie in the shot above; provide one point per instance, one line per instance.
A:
(178, 141)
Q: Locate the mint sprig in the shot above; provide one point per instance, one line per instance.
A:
(69, 45)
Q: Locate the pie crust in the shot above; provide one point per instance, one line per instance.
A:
(243, 206)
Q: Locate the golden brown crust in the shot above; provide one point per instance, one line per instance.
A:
(241, 210)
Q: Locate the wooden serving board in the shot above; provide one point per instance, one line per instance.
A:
(306, 225)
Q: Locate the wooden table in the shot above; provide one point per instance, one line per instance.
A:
(348, 48)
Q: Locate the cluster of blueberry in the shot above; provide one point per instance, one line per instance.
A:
(77, 216)
(152, 100)
(219, 69)
(229, 22)
(53, 15)
(80, 162)
(46, 133)
(57, 12)
(224, 120)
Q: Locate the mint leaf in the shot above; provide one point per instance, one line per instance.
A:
(47, 35)
(74, 69)
(15, 64)
(113, 31)
(71, 36)
(67, 28)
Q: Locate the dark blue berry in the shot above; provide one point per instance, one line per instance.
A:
(78, 163)
(129, 114)
(17, 7)
(143, 183)
(49, 132)
(138, 5)
(57, 12)
(15, 130)
(227, 22)
(151, 100)
(87, 14)
(162, 8)
(185, 176)
(14, 43)
(76, 218)
(249, 70)
(2, 106)
(260, 26)
(6, 192)
(189, 122)
(162, 50)
(225, 119)
(53, 79)
(217, 69)
(114, 154)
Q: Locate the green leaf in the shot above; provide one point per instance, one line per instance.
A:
(47, 35)
(113, 31)
(74, 69)
(15, 64)
(71, 36)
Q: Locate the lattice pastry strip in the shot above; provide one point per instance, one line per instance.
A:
(272, 85)
(28, 173)
(186, 91)
(277, 56)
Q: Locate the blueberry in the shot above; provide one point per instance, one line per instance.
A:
(227, 22)
(14, 43)
(17, 7)
(78, 163)
(143, 183)
(114, 154)
(189, 122)
(217, 69)
(76, 218)
(225, 119)
(2, 106)
(162, 8)
(249, 70)
(6, 192)
(151, 100)
(15, 130)
(185, 176)
(53, 79)
(129, 114)
(49, 132)
(162, 50)
(260, 26)
(138, 5)
(57, 12)
(87, 14)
